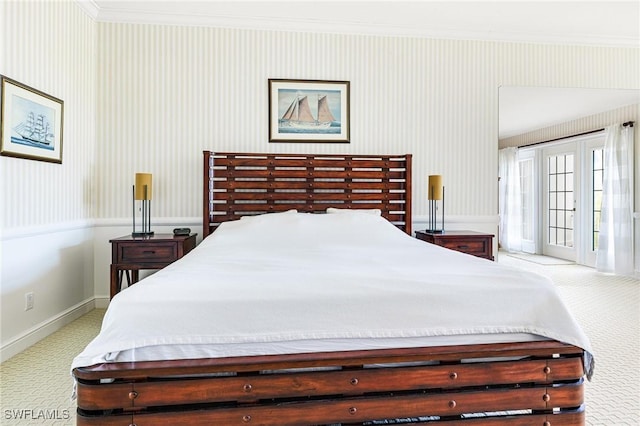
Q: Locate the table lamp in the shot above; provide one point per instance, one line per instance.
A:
(436, 193)
(142, 193)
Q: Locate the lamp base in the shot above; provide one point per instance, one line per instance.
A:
(435, 231)
(142, 234)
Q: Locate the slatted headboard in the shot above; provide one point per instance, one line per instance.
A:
(240, 184)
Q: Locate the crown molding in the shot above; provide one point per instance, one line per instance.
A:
(90, 7)
(336, 26)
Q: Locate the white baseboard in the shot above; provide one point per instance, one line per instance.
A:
(45, 328)
(102, 302)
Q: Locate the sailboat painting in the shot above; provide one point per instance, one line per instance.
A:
(308, 111)
(31, 123)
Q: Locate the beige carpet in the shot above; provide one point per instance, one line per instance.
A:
(37, 384)
(541, 260)
(608, 309)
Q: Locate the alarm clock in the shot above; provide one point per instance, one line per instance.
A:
(181, 231)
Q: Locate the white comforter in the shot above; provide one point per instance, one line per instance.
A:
(264, 284)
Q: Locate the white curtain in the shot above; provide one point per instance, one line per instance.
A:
(510, 206)
(615, 242)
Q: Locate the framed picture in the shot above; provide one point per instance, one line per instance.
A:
(31, 123)
(308, 111)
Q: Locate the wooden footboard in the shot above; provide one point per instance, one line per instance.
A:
(533, 383)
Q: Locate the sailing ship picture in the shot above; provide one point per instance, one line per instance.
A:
(308, 111)
(34, 130)
(31, 123)
(299, 117)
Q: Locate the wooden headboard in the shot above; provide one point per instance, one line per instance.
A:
(241, 184)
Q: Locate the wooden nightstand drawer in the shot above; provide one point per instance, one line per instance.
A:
(148, 253)
(470, 247)
(469, 242)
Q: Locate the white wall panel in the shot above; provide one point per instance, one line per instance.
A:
(46, 209)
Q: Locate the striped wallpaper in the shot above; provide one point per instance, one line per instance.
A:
(165, 93)
(51, 46)
(150, 98)
(47, 210)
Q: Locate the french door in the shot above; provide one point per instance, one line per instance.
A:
(561, 196)
(561, 177)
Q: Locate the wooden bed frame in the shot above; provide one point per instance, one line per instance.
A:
(526, 383)
(237, 185)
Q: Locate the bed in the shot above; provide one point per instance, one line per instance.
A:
(326, 311)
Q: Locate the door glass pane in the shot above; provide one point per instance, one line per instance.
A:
(568, 184)
(597, 173)
(560, 212)
(597, 159)
(597, 180)
(568, 163)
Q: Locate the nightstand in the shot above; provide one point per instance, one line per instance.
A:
(131, 254)
(470, 242)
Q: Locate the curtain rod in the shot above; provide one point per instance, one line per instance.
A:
(628, 123)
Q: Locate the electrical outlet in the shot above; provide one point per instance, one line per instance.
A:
(28, 301)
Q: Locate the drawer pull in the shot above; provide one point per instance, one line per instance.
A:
(149, 252)
(463, 247)
(453, 375)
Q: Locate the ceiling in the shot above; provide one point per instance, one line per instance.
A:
(522, 109)
(611, 23)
